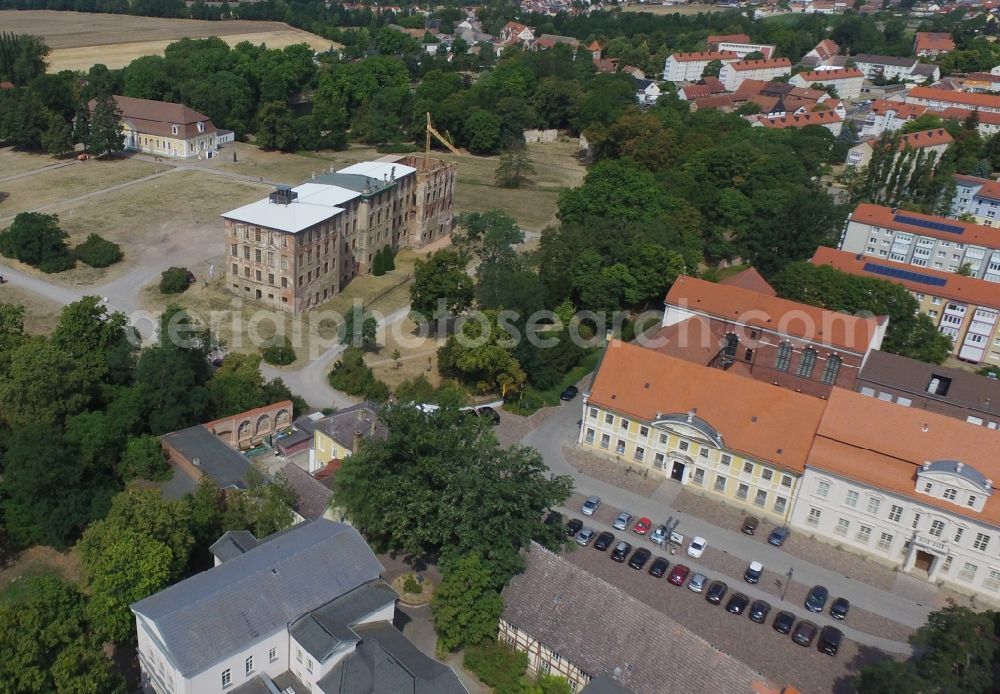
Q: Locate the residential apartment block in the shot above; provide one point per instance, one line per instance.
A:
(304, 610)
(831, 120)
(550, 613)
(923, 240)
(740, 44)
(977, 197)
(757, 335)
(717, 432)
(165, 129)
(688, 67)
(889, 116)
(933, 143)
(965, 309)
(890, 67)
(950, 392)
(733, 74)
(909, 487)
(940, 99)
(299, 247)
(846, 80)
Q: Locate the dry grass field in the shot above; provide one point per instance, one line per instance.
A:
(40, 316)
(78, 40)
(15, 163)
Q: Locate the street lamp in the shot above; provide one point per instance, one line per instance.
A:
(784, 586)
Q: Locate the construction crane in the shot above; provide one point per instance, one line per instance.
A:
(440, 138)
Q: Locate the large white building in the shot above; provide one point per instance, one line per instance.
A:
(733, 74)
(910, 487)
(846, 80)
(890, 67)
(688, 67)
(304, 610)
(890, 116)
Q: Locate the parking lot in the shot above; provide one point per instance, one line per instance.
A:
(774, 655)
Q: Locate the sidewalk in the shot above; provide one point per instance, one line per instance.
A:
(562, 428)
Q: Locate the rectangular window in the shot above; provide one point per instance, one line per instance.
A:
(884, 542)
(703, 452)
(852, 499)
(227, 678)
(309, 665)
(590, 436)
(842, 526)
(249, 664)
(916, 521)
(895, 513)
(864, 534)
(726, 459)
(272, 655)
(742, 491)
(766, 474)
(256, 255)
(298, 654)
(968, 572)
(639, 454)
(786, 480)
(814, 515)
(873, 505)
(761, 498)
(605, 440)
(643, 431)
(625, 424)
(609, 419)
(822, 488)
(992, 581)
(784, 358)
(958, 534)
(720, 483)
(593, 412)
(663, 439)
(699, 476)
(683, 445)
(658, 461)
(620, 447)
(949, 494)
(971, 501)
(779, 504)
(748, 468)
(982, 542)
(937, 528)
(234, 251)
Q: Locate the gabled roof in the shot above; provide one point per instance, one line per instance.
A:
(749, 279)
(218, 612)
(312, 497)
(902, 109)
(827, 48)
(926, 225)
(827, 76)
(727, 38)
(801, 120)
(159, 117)
(696, 91)
(948, 96)
(733, 304)
(362, 418)
(761, 64)
(645, 383)
(960, 114)
(714, 84)
(892, 60)
(948, 285)
(925, 138)
(707, 56)
(596, 626)
(933, 41)
(326, 629)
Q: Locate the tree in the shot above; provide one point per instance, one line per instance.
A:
(481, 354)
(378, 264)
(174, 280)
(106, 132)
(484, 132)
(466, 605)
(490, 235)
(103, 344)
(452, 475)
(82, 668)
(58, 136)
(280, 353)
(351, 375)
(441, 286)
(712, 69)
(11, 329)
(37, 240)
(274, 127)
(43, 384)
(263, 508)
(98, 252)
(144, 457)
(360, 329)
(514, 167)
(22, 57)
(616, 190)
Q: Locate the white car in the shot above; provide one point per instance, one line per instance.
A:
(590, 505)
(697, 547)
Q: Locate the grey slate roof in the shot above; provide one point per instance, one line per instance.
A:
(963, 470)
(342, 424)
(233, 544)
(359, 183)
(217, 612)
(552, 598)
(326, 629)
(385, 662)
(884, 60)
(605, 684)
(312, 497)
(226, 467)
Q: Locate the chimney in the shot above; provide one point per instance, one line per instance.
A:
(925, 427)
(356, 441)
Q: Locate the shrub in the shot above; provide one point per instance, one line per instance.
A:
(412, 585)
(98, 252)
(396, 148)
(378, 264)
(390, 260)
(497, 666)
(351, 375)
(37, 239)
(279, 355)
(174, 280)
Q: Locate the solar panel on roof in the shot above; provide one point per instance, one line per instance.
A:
(908, 275)
(928, 224)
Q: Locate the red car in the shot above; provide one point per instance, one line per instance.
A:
(678, 574)
(642, 526)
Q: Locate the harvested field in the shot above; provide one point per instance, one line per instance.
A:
(79, 40)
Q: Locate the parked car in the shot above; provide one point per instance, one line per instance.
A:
(574, 526)
(678, 574)
(621, 551)
(658, 567)
(697, 547)
(570, 393)
(489, 413)
(697, 583)
(737, 604)
(590, 505)
(829, 640)
(816, 600)
(584, 537)
(778, 536)
(716, 592)
(783, 622)
(603, 541)
(659, 535)
(840, 608)
(804, 633)
(752, 574)
(750, 524)
(642, 526)
(759, 610)
(623, 520)
(639, 558)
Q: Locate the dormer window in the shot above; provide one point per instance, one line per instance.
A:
(174, 129)
(928, 487)
(201, 127)
(950, 494)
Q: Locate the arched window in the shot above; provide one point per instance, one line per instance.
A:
(784, 358)
(807, 363)
(831, 369)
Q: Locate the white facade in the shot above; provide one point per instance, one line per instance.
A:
(733, 74)
(743, 49)
(688, 67)
(886, 120)
(848, 85)
(928, 539)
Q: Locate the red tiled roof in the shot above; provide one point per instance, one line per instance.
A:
(934, 41)
(827, 76)
(946, 95)
(903, 110)
(762, 64)
(714, 84)
(985, 117)
(644, 383)
(696, 91)
(925, 138)
(801, 121)
(827, 48)
(734, 304)
(703, 55)
(6, 85)
(876, 215)
(728, 38)
(956, 287)
(750, 279)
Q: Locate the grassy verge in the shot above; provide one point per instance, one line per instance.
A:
(533, 400)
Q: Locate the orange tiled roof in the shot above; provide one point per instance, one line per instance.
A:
(801, 121)
(827, 48)
(903, 110)
(884, 444)
(956, 288)
(728, 38)
(750, 279)
(703, 55)
(837, 330)
(934, 41)
(985, 117)
(643, 383)
(877, 215)
(762, 64)
(946, 95)
(827, 76)
(925, 138)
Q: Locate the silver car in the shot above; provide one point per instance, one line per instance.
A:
(622, 521)
(659, 535)
(590, 505)
(697, 583)
(584, 537)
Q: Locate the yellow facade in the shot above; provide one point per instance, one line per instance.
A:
(689, 451)
(327, 448)
(173, 147)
